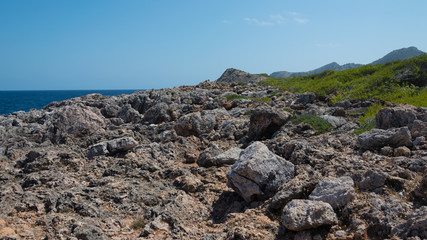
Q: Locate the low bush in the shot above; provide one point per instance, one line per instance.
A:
(318, 123)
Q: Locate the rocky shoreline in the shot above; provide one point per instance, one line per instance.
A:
(191, 163)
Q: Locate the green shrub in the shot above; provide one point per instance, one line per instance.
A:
(138, 224)
(367, 125)
(318, 123)
(235, 97)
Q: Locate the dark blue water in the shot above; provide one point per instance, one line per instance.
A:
(12, 101)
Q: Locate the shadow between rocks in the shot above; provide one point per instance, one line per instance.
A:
(228, 202)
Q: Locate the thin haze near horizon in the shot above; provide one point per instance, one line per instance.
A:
(107, 44)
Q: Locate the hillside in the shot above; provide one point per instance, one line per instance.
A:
(331, 66)
(400, 54)
(398, 81)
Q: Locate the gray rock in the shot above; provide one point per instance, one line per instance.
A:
(112, 147)
(88, 232)
(418, 129)
(306, 214)
(206, 157)
(129, 114)
(418, 140)
(296, 188)
(121, 144)
(394, 117)
(260, 171)
(266, 121)
(371, 180)
(305, 98)
(417, 223)
(98, 149)
(195, 124)
(336, 122)
(378, 138)
(234, 129)
(228, 157)
(158, 113)
(335, 191)
(77, 121)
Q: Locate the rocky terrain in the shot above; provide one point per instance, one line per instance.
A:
(191, 162)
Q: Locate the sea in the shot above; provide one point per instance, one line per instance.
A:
(12, 101)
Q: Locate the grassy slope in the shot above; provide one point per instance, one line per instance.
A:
(399, 82)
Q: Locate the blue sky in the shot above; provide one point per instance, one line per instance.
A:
(138, 44)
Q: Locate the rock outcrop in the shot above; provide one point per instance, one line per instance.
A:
(234, 75)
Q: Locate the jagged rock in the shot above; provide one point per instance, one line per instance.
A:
(417, 224)
(195, 124)
(158, 113)
(306, 214)
(88, 232)
(234, 129)
(205, 158)
(112, 147)
(335, 191)
(305, 98)
(418, 129)
(259, 172)
(296, 188)
(98, 150)
(394, 117)
(235, 75)
(371, 180)
(129, 114)
(228, 157)
(378, 138)
(266, 121)
(78, 121)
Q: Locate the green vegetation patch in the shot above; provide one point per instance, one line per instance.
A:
(367, 121)
(237, 97)
(318, 123)
(138, 224)
(398, 81)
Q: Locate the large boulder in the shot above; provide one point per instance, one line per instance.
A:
(158, 113)
(265, 121)
(306, 214)
(395, 117)
(196, 124)
(77, 120)
(378, 138)
(335, 191)
(259, 172)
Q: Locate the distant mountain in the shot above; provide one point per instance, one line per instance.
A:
(399, 54)
(331, 66)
